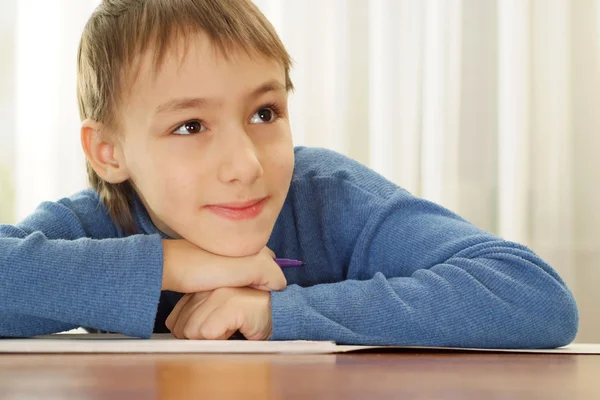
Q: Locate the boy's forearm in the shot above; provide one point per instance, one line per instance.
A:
(444, 306)
(189, 269)
(111, 284)
(20, 325)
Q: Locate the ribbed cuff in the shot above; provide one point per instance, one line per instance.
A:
(288, 315)
(147, 272)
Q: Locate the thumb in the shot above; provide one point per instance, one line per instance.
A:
(271, 252)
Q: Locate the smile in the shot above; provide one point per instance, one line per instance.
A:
(239, 211)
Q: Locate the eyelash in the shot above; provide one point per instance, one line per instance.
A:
(272, 106)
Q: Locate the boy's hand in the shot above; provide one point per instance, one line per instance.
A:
(217, 314)
(188, 268)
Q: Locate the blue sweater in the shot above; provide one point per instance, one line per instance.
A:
(382, 267)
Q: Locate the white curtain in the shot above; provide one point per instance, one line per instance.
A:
(49, 162)
(487, 107)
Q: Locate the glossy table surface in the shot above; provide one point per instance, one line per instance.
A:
(407, 375)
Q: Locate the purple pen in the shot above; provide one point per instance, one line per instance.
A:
(287, 263)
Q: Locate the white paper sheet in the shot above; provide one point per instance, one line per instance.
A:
(573, 348)
(166, 343)
(159, 343)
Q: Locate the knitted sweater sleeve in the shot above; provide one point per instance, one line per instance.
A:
(418, 274)
(65, 266)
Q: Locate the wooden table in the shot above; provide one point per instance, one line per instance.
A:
(412, 375)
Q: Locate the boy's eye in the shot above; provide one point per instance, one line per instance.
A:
(264, 116)
(190, 128)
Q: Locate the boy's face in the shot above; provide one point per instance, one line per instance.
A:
(204, 132)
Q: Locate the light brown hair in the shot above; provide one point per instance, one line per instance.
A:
(121, 30)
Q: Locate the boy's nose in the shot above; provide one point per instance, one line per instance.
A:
(239, 160)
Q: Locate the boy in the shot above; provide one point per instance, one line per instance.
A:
(196, 187)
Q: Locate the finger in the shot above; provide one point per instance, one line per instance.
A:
(220, 324)
(196, 301)
(183, 319)
(269, 277)
(174, 315)
(264, 288)
(271, 252)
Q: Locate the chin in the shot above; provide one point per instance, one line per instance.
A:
(233, 247)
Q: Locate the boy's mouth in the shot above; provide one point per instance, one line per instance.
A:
(239, 210)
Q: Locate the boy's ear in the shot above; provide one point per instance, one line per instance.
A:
(103, 153)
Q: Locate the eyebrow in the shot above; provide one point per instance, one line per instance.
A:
(198, 102)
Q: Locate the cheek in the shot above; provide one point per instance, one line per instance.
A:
(163, 177)
(280, 155)
(177, 185)
(281, 166)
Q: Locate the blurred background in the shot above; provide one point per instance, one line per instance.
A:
(488, 107)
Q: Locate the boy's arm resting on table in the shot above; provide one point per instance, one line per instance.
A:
(54, 277)
(420, 275)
